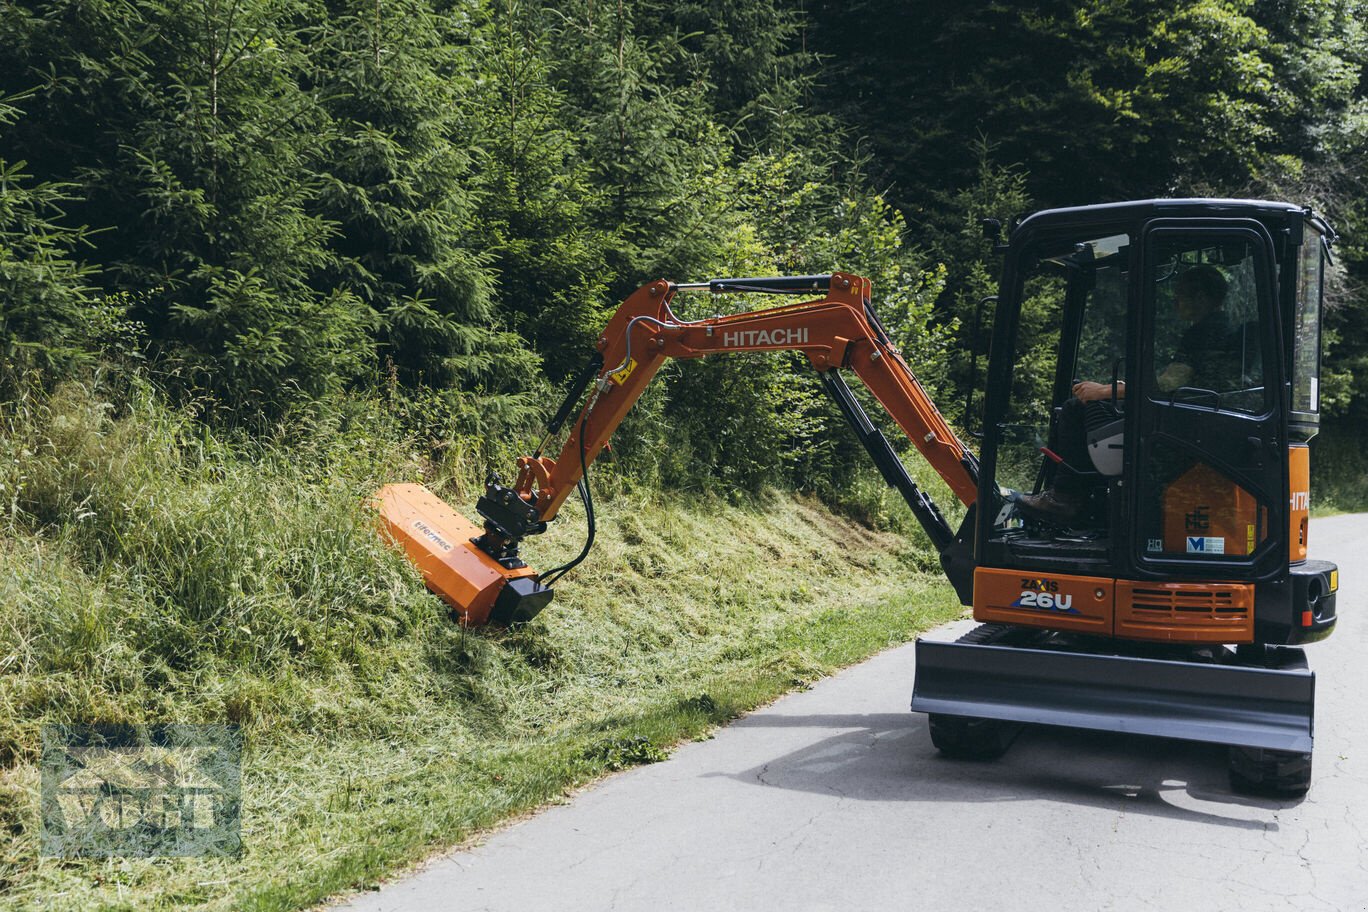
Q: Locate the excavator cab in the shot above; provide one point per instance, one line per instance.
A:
(1172, 601)
(1201, 318)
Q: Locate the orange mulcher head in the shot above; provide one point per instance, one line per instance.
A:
(441, 543)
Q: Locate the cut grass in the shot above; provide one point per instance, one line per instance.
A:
(153, 573)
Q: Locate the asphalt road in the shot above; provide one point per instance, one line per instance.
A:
(835, 799)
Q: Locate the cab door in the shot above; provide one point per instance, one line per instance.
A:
(1209, 477)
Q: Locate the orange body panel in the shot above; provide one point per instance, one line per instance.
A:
(1160, 612)
(1299, 481)
(1185, 612)
(1204, 504)
(437, 540)
(1078, 603)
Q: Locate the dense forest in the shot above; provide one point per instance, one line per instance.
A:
(267, 203)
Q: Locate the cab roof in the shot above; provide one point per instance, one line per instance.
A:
(1140, 210)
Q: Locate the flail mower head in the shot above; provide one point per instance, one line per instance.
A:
(479, 587)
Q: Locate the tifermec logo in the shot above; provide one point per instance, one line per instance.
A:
(135, 791)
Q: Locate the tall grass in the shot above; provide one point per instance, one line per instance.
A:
(142, 552)
(1339, 466)
(154, 571)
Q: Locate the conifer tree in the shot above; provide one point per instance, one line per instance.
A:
(751, 56)
(1099, 100)
(537, 217)
(650, 143)
(397, 181)
(194, 142)
(47, 320)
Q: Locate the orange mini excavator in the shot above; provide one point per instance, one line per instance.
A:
(1172, 601)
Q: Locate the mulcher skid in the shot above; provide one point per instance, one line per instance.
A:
(1215, 695)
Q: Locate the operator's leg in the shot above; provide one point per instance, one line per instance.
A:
(1071, 444)
(1066, 497)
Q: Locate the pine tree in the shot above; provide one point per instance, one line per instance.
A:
(397, 180)
(194, 139)
(651, 146)
(47, 318)
(537, 216)
(753, 60)
(1099, 100)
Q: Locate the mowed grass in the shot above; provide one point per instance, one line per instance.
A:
(151, 572)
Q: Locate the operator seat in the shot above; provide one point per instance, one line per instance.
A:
(1104, 423)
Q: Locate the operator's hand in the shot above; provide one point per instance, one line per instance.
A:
(1088, 391)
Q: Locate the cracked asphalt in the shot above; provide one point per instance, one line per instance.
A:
(835, 799)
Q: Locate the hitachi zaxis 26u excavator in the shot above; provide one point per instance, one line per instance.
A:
(1172, 602)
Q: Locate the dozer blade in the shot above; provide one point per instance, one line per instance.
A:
(1269, 708)
(439, 541)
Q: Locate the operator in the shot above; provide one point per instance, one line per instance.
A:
(1200, 360)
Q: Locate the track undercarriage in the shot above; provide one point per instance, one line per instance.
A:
(981, 689)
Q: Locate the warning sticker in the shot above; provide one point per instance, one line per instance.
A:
(620, 376)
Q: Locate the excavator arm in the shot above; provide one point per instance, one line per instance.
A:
(479, 571)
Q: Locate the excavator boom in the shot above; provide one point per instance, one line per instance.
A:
(480, 572)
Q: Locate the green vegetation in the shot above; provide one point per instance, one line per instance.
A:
(1084, 101)
(1339, 470)
(258, 257)
(154, 571)
(291, 198)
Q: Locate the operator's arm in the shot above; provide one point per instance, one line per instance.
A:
(1088, 391)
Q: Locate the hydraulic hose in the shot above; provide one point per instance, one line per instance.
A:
(550, 576)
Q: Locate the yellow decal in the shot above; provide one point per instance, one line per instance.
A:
(1249, 539)
(620, 376)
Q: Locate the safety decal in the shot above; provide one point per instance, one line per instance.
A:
(620, 375)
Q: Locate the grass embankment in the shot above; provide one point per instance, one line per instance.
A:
(151, 572)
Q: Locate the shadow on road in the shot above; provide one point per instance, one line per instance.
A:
(890, 757)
